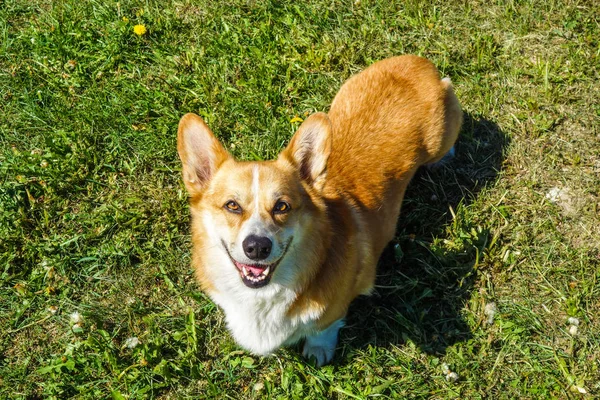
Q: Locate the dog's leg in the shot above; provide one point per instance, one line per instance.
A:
(453, 121)
(444, 160)
(322, 344)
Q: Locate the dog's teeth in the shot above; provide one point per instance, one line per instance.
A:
(249, 276)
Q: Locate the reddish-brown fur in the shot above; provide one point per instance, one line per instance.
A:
(385, 122)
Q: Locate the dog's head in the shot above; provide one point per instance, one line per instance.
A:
(255, 222)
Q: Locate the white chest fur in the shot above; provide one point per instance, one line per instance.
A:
(260, 323)
(257, 318)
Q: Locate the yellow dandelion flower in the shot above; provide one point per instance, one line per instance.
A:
(296, 119)
(139, 30)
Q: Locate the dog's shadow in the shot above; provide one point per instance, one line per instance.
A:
(426, 276)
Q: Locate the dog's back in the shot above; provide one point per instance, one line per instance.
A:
(387, 121)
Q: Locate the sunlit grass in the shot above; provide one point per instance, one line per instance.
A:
(94, 218)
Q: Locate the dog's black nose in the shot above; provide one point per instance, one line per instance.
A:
(256, 247)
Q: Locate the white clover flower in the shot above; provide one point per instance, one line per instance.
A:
(131, 342)
(573, 330)
(259, 386)
(445, 369)
(490, 312)
(76, 318)
(573, 321)
(452, 377)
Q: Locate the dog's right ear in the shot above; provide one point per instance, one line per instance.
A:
(200, 152)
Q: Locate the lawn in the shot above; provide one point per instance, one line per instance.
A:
(490, 290)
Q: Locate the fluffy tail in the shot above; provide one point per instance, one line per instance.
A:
(453, 117)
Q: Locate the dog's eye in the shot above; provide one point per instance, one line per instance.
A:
(233, 207)
(281, 207)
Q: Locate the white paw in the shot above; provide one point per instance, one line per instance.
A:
(322, 354)
(322, 344)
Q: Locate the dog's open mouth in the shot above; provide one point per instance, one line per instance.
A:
(256, 275)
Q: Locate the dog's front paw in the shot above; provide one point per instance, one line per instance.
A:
(322, 345)
(322, 354)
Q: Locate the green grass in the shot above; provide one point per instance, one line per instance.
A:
(94, 217)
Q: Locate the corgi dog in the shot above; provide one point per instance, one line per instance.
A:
(284, 246)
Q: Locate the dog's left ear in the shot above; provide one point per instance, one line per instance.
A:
(309, 149)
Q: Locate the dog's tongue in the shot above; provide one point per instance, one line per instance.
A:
(254, 269)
